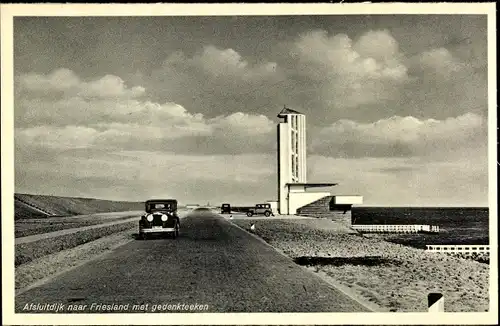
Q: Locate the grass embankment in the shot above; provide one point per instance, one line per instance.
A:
(67, 206)
(391, 276)
(27, 252)
(23, 228)
(55, 263)
(26, 229)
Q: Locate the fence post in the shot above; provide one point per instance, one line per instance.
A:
(435, 302)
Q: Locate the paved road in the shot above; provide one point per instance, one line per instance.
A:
(212, 263)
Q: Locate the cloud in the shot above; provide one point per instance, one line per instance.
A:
(219, 63)
(411, 181)
(68, 137)
(438, 63)
(379, 45)
(327, 76)
(58, 80)
(189, 134)
(77, 121)
(352, 73)
(401, 136)
(65, 80)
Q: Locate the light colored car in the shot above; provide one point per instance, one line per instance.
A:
(260, 209)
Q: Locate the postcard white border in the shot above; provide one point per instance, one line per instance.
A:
(9, 11)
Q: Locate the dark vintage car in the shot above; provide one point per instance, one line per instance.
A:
(160, 218)
(260, 209)
(225, 208)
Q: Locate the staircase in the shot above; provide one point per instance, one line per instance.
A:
(324, 208)
(318, 208)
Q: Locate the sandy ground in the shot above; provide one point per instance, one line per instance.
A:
(391, 276)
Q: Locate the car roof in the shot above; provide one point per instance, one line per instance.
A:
(160, 200)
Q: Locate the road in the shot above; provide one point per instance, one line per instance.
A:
(212, 263)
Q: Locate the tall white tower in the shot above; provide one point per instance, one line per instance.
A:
(291, 154)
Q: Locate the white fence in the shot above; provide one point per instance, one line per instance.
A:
(459, 248)
(413, 228)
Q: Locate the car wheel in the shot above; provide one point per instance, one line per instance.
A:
(267, 214)
(175, 234)
(249, 214)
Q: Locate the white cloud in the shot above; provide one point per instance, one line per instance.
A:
(109, 86)
(406, 181)
(236, 133)
(67, 81)
(366, 58)
(243, 124)
(68, 137)
(401, 136)
(379, 45)
(218, 63)
(439, 63)
(59, 80)
(353, 73)
(74, 121)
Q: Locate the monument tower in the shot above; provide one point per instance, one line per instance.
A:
(292, 170)
(292, 166)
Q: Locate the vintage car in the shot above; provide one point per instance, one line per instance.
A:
(225, 208)
(260, 209)
(160, 218)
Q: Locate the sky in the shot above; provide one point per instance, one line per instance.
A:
(185, 107)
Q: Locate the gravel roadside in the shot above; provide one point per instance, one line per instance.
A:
(26, 252)
(39, 271)
(389, 275)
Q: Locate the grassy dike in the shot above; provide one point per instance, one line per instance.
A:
(41, 269)
(27, 252)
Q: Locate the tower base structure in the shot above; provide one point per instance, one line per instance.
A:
(337, 208)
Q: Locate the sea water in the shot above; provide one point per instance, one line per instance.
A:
(457, 225)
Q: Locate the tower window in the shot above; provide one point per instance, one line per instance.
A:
(297, 166)
(296, 143)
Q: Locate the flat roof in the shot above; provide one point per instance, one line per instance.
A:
(309, 185)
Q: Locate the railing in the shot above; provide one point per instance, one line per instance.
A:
(458, 248)
(413, 228)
